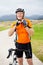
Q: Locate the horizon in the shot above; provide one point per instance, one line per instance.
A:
(13, 17)
(25, 15)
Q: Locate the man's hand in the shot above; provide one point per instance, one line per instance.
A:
(30, 31)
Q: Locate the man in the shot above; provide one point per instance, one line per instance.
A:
(24, 31)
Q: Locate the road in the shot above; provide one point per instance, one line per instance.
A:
(7, 42)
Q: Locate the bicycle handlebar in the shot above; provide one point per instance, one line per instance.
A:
(10, 51)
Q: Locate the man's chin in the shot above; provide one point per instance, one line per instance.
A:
(19, 19)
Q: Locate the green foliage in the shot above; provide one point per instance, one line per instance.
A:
(38, 31)
(37, 41)
(3, 28)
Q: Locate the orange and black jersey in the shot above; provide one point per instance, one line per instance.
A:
(23, 36)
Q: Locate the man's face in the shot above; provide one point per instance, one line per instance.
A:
(19, 15)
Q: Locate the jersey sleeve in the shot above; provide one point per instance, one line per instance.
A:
(29, 23)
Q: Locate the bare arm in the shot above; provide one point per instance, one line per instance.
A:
(11, 31)
(30, 31)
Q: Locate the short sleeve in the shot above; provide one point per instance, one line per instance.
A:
(13, 24)
(29, 23)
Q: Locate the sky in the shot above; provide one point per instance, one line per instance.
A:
(31, 7)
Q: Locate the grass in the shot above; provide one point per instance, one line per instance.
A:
(37, 41)
(3, 28)
(4, 25)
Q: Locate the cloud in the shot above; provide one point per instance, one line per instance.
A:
(30, 6)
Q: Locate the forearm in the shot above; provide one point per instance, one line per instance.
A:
(30, 31)
(11, 31)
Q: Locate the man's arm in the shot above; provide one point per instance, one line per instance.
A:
(11, 31)
(30, 31)
(29, 28)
